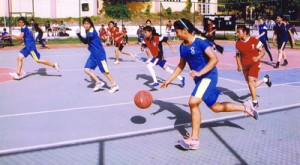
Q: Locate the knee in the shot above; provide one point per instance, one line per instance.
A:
(87, 70)
(216, 108)
(193, 103)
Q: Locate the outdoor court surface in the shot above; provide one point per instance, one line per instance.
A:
(52, 117)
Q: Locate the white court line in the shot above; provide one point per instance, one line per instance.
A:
(126, 103)
(79, 108)
(128, 134)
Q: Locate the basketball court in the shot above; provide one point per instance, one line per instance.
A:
(52, 117)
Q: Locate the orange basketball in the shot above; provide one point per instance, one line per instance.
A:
(143, 99)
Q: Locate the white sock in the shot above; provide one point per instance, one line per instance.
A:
(266, 79)
(171, 71)
(151, 70)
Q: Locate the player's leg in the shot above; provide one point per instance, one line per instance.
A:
(36, 56)
(285, 62)
(117, 55)
(121, 49)
(104, 69)
(148, 53)
(150, 66)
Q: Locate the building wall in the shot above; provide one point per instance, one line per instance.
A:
(49, 8)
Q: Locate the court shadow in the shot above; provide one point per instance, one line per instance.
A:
(180, 116)
(267, 63)
(41, 72)
(149, 80)
(233, 95)
(120, 59)
(93, 83)
(138, 119)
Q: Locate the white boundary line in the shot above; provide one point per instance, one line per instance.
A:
(127, 134)
(126, 103)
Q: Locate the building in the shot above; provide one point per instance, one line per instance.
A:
(81, 8)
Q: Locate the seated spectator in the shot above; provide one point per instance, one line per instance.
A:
(103, 34)
(62, 27)
(48, 28)
(140, 34)
(55, 29)
(5, 38)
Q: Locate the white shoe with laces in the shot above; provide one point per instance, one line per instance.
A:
(250, 110)
(113, 89)
(98, 86)
(15, 76)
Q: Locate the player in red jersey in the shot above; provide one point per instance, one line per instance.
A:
(249, 51)
(154, 42)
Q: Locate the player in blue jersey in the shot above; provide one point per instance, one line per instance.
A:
(263, 37)
(30, 48)
(202, 60)
(282, 37)
(97, 56)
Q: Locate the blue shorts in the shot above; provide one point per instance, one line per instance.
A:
(206, 89)
(33, 52)
(92, 63)
(160, 62)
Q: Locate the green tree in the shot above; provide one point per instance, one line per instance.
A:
(117, 11)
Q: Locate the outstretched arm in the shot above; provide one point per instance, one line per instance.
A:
(20, 37)
(176, 72)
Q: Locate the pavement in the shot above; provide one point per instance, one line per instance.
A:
(52, 117)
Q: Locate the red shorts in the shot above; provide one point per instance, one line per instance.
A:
(251, 70)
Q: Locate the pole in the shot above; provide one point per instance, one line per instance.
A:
(32, 8)
(122, 10)
(160, 16)
(9, 16)
(79, 19)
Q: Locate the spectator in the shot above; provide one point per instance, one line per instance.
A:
(55, 29)
(140, 33)
(5, 37)
(62, 27)
(104, 36)
(125, 36)
(169, 28)
(48, 28)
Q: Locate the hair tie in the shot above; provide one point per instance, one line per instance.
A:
(184, 24)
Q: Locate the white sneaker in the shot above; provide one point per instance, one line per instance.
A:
(98, 86)
(56, 66)
(149, 59)
(117, 62)
(15, 76)
(114, 89)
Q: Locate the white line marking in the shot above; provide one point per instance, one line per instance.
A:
(127, 134)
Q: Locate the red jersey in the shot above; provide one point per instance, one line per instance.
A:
(248, 49)
(103, 32)
(118, 38)
(155, 45)
(112, 31)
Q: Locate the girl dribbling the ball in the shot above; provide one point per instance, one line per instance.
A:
(198, 53)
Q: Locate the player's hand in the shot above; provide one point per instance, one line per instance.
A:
(255, 59)
(164, 84)
(77, 31)
(239, 69)
(194, 74)
(173, 51)
(142, 48)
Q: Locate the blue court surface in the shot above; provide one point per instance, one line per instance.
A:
(52, 117)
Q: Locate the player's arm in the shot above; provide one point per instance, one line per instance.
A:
(292, 37)
(261, 53)
(213, 60)
(143, 46)
(238, 61)
(176, 72)
(262, 34)
(20, 37)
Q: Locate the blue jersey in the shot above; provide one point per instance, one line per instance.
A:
(28, 37)
(95, 46)
(282, 32)
(196, 58)
(263, 28)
